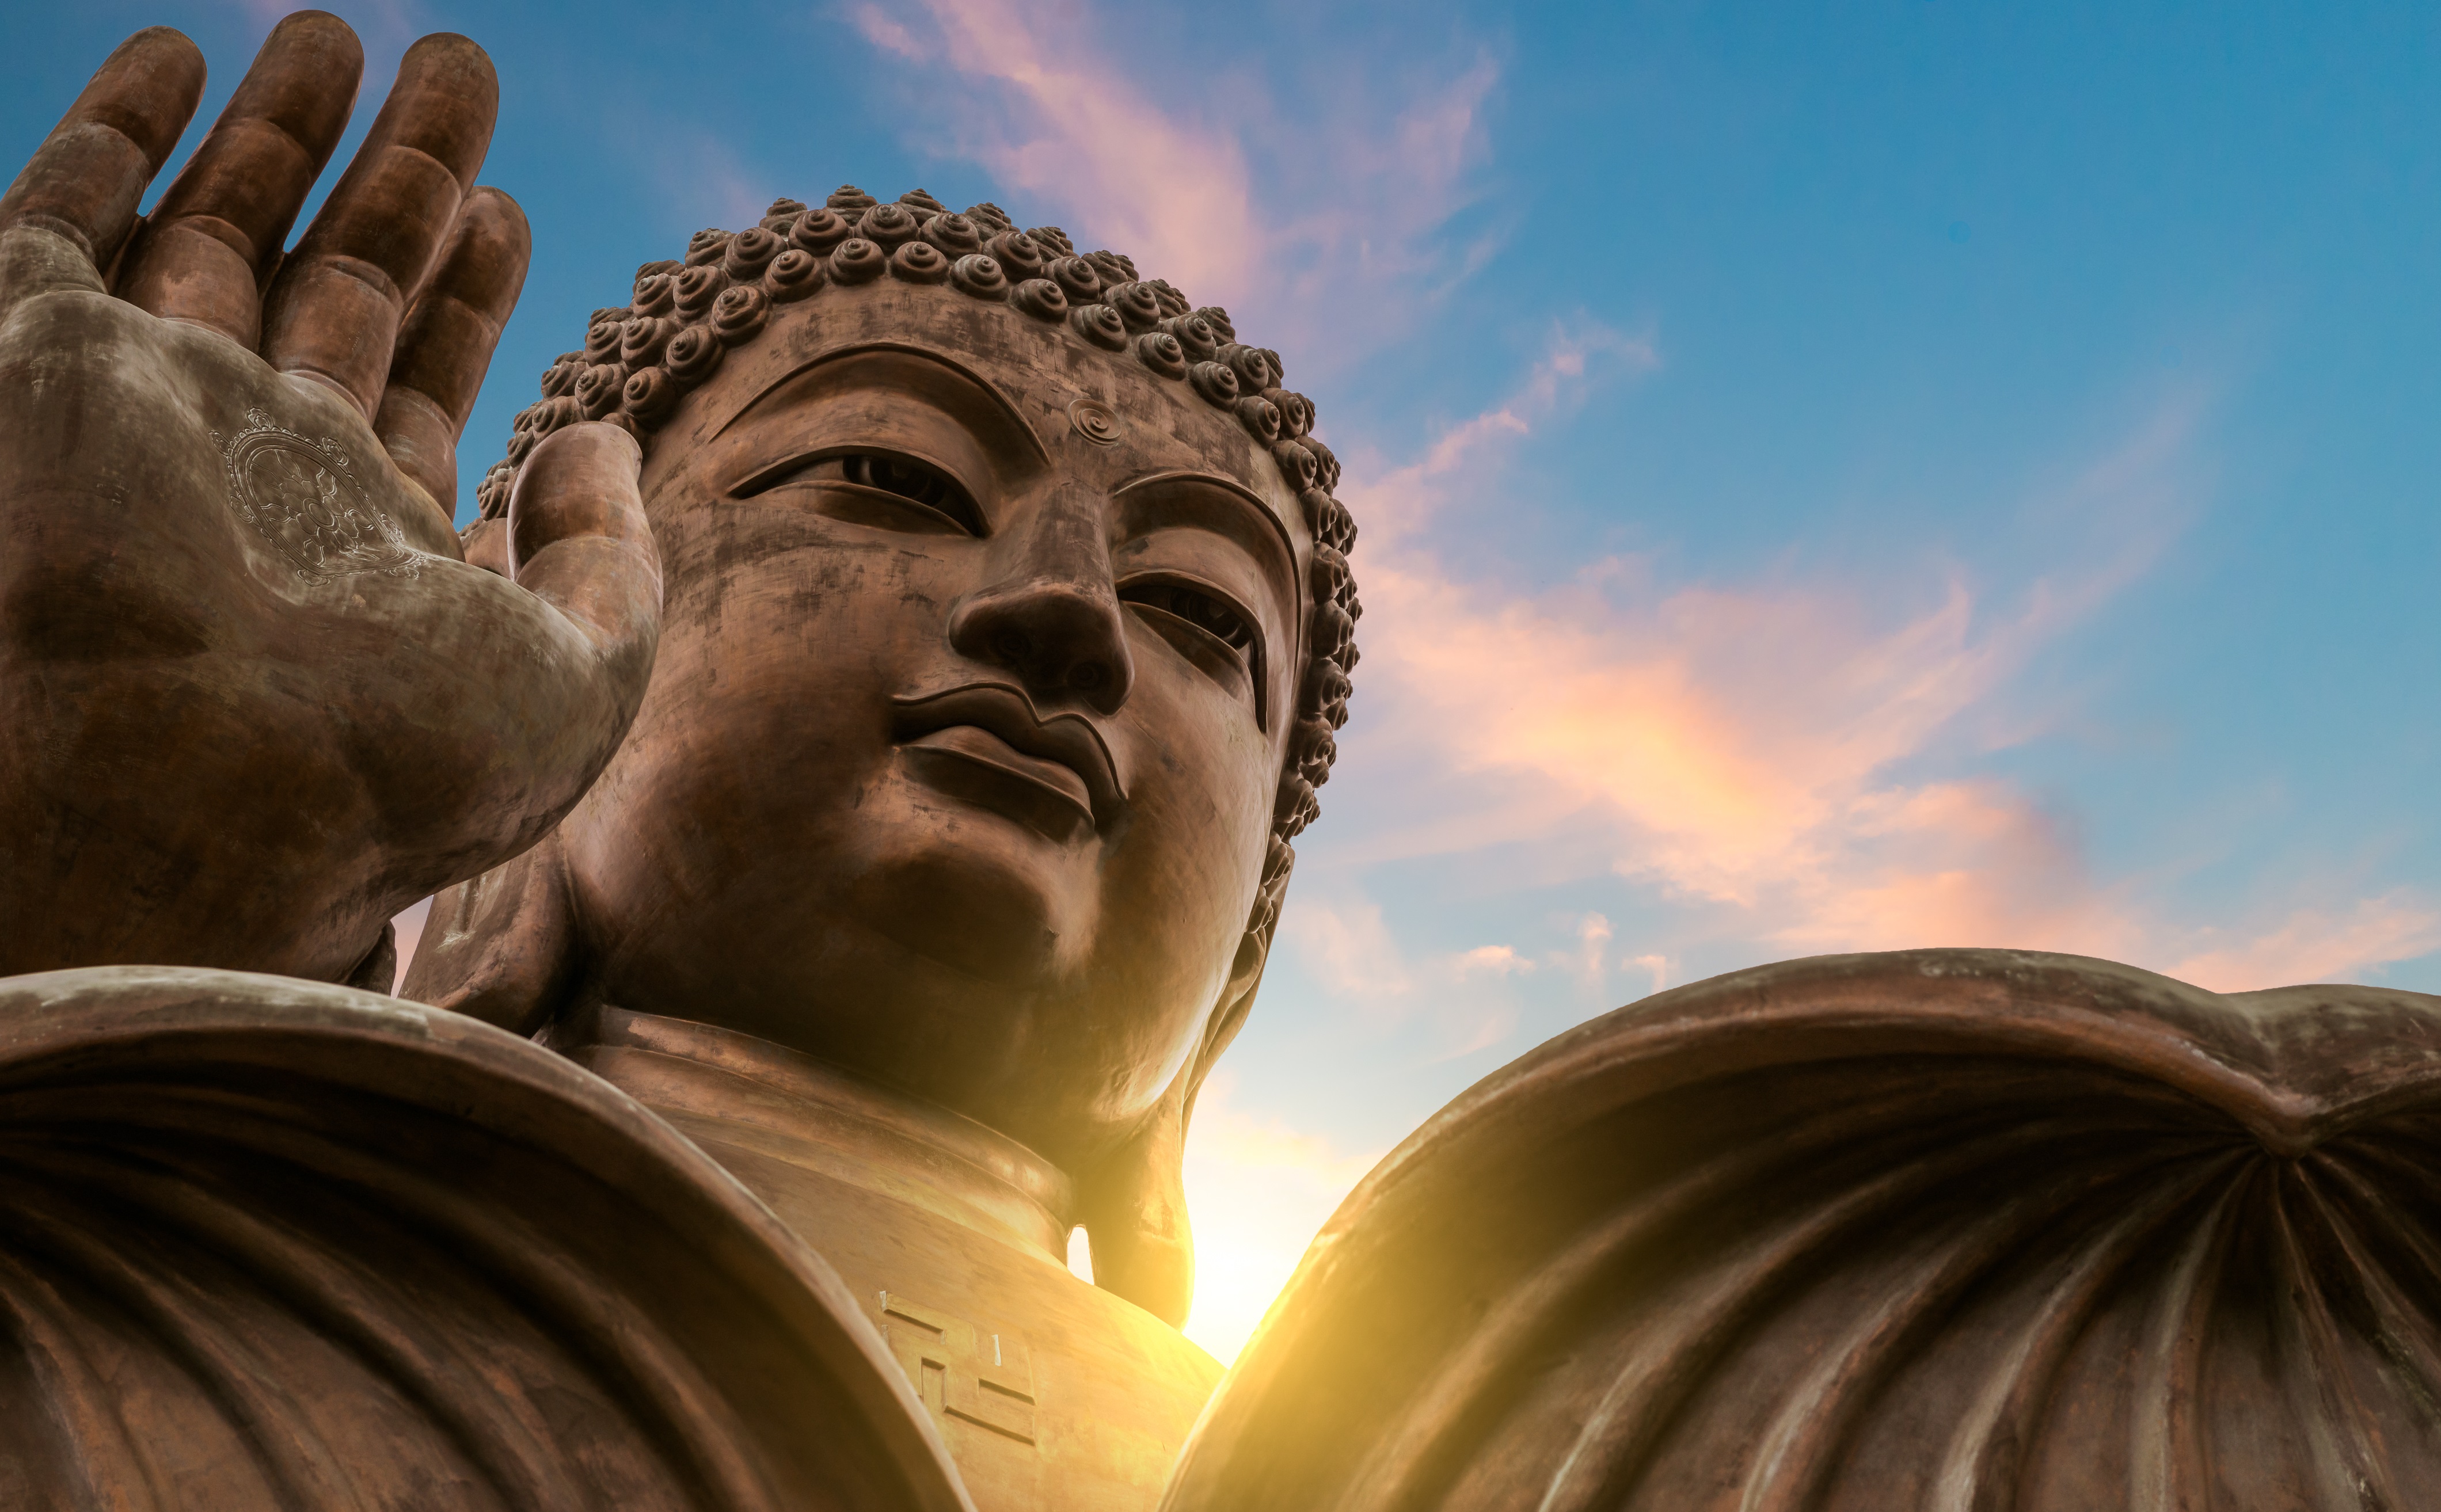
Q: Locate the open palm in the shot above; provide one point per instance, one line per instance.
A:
(252, 699)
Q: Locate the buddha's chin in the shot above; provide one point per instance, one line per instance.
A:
(976, 891)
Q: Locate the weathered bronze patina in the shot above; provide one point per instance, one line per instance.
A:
(856, 749)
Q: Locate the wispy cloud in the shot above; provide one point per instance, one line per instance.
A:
(2317, 945)
(1791, 753)
(1347, 945)
(1322, 217)
(1073, 130)
(1731, 744)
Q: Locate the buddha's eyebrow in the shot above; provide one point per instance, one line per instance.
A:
(1189, 492)
(972, 387)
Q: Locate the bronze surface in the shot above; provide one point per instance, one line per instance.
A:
(269, 1243)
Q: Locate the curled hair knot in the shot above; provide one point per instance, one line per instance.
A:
(1053, 240)
(649, 396)
(1327, 574)
(749, 252)
(919, 262)
(1136, 304)
(1261, 417)
(491, 494)
(739, 313)
(1040, 298)
(657, 294)
(980, 276)
(1296, 412)
(1215, 381)
(1296, 464)
(1194, 334)
(1076, 279)
(1312, 747)
(1255, 369)
(707, 245)
(956, 235)
(597, 392)
(1328, 519)
(793, 275)
(1326, 686)
(1100, 325)
(818, 231)
(693, 354)
(698, 287)
(1020, 255)
(1295, 806)
(1159, 351)
(1325, 461)
(1110, 268)
(858, 260)
(888, 227)
(643, 340)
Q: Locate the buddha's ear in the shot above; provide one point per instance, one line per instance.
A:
(501, 947)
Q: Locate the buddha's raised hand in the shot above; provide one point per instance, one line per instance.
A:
(252, 699)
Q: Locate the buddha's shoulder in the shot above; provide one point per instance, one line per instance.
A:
(266, 1242)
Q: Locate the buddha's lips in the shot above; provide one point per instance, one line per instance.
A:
(1064, 753)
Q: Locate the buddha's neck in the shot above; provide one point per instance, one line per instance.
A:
(813, 1115)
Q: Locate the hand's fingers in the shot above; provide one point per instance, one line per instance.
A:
(334, 307)
(447, 342)
(87, 179)
(578, 541)
(212, 241)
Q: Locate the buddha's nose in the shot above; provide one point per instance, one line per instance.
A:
(1050, 614)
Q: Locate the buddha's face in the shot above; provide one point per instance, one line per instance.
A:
(957, 766)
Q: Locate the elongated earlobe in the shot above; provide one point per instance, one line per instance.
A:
(501, 948)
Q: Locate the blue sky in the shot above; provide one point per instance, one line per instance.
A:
(1834, 477)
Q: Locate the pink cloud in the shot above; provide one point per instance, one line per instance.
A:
(1315, 217)
(1732, 745)
(1349, 946)
(1740, 746)
(1079, 135)
(407, 930)
(2315, 944)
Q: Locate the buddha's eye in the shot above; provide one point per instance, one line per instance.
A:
(1208, 612)
(910, 483)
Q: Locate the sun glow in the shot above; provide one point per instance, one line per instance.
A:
(1259, 1191)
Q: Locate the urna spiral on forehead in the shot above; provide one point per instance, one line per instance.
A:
(641, 359)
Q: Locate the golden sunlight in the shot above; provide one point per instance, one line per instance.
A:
(1258, 1191)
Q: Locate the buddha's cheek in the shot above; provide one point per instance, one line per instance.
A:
(1176, 890)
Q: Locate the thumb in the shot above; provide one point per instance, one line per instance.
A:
(577, 540)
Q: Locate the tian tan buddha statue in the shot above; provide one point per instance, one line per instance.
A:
(856, 749)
